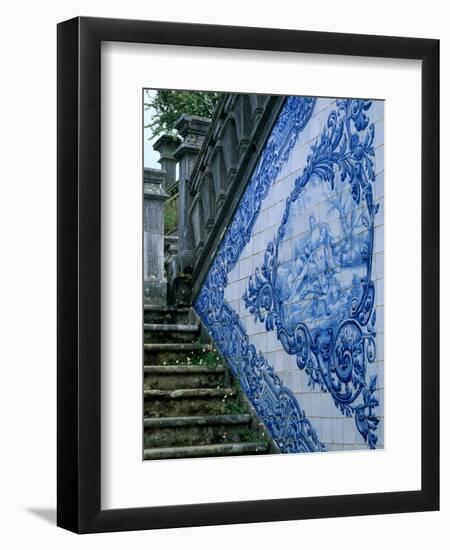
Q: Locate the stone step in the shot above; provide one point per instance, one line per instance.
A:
(161, 327)
(188, 402)
(165, 314)
(170, 239)
(170, 352)
(190, 410)
(197, 430)
(170, 377)
(170, 332)
(192, 393)
(196, 451)
(184, 369)
(167, 346)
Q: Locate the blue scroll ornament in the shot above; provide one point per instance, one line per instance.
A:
(333, 350)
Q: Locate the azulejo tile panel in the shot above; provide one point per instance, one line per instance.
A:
(293, 294)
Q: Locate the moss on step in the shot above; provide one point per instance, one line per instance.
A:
(190, 396)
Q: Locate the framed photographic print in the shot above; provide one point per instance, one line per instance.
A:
(248, 288)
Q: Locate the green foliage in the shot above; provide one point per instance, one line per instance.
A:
(207, 358)
(211, 358)
(246, 434)
(171, 104)
(235, 406)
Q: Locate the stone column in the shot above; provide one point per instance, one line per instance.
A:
(155, 282)
(193, 130)
(166, 146)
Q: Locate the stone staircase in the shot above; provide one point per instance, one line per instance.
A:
(192, 408)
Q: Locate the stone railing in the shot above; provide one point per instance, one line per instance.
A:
(215, 160)
(230, 150)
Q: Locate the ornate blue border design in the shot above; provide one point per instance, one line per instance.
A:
(277, 407)
(335, 353)
(275, 404)
(294, 116)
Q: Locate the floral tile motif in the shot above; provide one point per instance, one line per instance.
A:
(314, 289)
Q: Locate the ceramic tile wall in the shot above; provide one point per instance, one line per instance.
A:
(321, 209)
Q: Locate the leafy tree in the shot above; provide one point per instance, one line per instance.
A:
(170, 104)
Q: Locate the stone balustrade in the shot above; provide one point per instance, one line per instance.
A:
(215, 160)
(229, 152)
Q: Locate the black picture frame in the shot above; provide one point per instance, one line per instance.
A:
(79, 281)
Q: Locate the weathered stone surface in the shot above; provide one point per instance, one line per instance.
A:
(178, 421)
(155, 283)
(171, 377)
(180, 289)
(189, 401)
(165, 314)
(193, 393)
(171, 353)
(193, 130)
(170, 346)
(230, 150)
(227, 449)
(157, 332)
(161, 327)
(196, 430)
(215, 160)
(166, 145)
(184, 369)
(170, 244)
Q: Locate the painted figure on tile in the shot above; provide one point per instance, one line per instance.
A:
(314, 288)
(274, 403)
(311, 275)
(321, 301)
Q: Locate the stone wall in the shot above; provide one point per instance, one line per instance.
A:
(294, 295)
(155, 282)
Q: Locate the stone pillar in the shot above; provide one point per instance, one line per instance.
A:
(166, 146)
(193, 130)
(155, 282)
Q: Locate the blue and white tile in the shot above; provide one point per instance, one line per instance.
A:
(317, 405)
